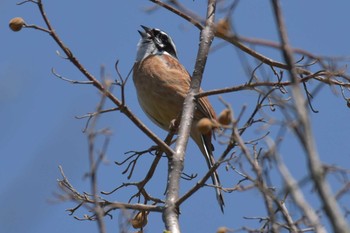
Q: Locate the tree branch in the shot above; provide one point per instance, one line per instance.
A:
(124, 109)
(305, 134)
(176, 162)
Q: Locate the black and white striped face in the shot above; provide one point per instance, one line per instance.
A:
(154, 41)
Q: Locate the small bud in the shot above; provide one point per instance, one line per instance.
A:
(225, 117)
(223, 26)
(222, 230)
(205, 126)
(16, 24)
(108, 83)
(140, 220)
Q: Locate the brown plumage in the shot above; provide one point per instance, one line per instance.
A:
(162, 84)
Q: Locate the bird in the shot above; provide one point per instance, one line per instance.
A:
(162, 83)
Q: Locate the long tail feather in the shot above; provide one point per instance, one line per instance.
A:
(215, 177)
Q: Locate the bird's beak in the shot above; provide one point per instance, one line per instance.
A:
(146, 33)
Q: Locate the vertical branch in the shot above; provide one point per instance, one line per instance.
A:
(176, 162)
(93, 179)
(99, 212)
(304, 132)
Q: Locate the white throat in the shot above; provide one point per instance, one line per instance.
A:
(145, 49)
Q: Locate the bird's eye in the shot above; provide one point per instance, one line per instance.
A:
(163, 42)
(163, 38)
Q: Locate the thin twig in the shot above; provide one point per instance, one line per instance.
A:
(69, 80)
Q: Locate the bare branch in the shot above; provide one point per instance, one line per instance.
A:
(124, 109)
(293, 188)
(252, 85)
(305, 133)
(176, 165)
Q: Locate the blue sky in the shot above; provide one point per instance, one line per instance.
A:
(39, 131)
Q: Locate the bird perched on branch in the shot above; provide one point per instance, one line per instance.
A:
(162, 84)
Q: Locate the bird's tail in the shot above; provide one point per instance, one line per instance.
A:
(208, 152)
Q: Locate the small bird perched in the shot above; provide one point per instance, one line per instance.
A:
(162, 84)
